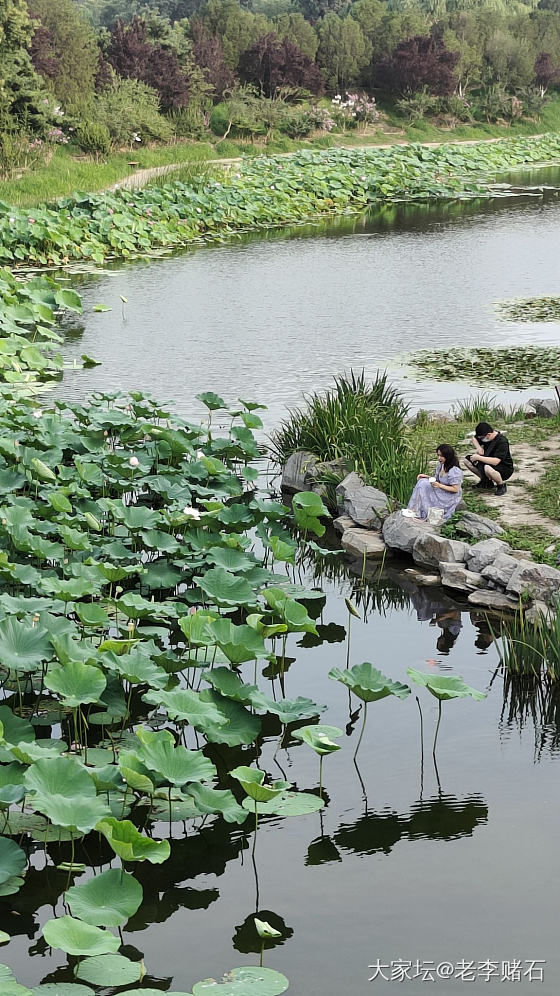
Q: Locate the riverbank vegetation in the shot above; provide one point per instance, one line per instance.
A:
(511, 367)
(83, 81)
(263, 193)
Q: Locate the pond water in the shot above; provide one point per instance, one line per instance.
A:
(273, 317)
(408, 862)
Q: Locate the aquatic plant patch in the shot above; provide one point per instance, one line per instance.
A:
(530, 309)
(261, 193)
(514, 367)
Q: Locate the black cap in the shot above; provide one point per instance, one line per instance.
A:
(482, 429)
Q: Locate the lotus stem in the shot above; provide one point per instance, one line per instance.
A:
(348, 640)
(320, 776)
(262, 950)
(437, 728)
(256, 828)
(362, 731)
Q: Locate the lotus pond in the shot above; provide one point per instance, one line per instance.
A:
(188, 783)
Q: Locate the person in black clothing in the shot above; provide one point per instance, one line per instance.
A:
(491, 462)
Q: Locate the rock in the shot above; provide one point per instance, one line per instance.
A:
(364, 542)
(540, 581)
(295, 470)
(520, 554)
(366, 505)
(461, 507)
(430, 415)
(477, 527)
(343, 522)
(432, 549)
(501, 569)
(493, 600)
(422, 579)
(401, 533)
(545, 407)
(540, 611)
(457, 576)
(484, 553)
(339, 467)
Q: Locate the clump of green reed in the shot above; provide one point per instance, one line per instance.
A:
(531, 647)
(362, 422)
(485, 408)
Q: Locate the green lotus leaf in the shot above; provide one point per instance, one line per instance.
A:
(69, 590)
(236, 724)
(290, 611)
(4, 937)
(135, 607)
(12, 860)
(176, 765)
(266, 630)
(185, 704)
(77, 938)
(92, 614)
(8, 984)
(229, 684)
(244, 982)
(287, 711)
(77, 684)
(239, 643)
(196, 627)
(226, 589)
(308, 509)
(368, 683)
(135, 773)
(41, 470)
(212, 401)
(107, 900)
(23, 647)
(231, 560)
(130, 845)
(59, 502)
(61, 989)
(12, 789)
(319, 737)
(283, 551)
(109, 970)
(445, 686)
(38, 750)
(15, 729)
(64, 791)
(209, 800)
(252, 783)
(287, 804)
(136, 668)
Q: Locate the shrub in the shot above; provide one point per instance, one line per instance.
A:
(93, 137)
(418, 106)
(302, 121)
(130, 111)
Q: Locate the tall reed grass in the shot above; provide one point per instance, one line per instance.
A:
(531, 648)
(362, 422)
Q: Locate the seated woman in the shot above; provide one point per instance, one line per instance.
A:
(443, 491)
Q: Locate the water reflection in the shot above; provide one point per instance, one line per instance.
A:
(532, 701)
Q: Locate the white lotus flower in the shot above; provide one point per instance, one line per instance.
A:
(199, 454)
(191, 513)
(38, 413)
(134, 461)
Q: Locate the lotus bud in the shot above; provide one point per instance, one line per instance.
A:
(118, 590)
(134, 461)
(191, 513)
(199, 454)
(131, 626)
(265, 930)
(38, 413)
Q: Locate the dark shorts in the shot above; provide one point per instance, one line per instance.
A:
(504, 472)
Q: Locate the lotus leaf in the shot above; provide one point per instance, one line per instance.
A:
(308, 510)
(183, 703)
(77, 938)
(196, 627)
(77, 684)
(244, 982)
(236, 724)
(61, 989)
(176, 765)
(239, 643)
(64, 791)
(109, 970)
(130, 845)
(287, 711)
(12, 860)
(252, 783)
(368, 683)
(228, 684)
(22, 647)
(209, 800)
(226, 589)
(107, 900)
(319, 737)
(286, 804)
(445, 686)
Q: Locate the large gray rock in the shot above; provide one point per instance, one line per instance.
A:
(477, 527)
(296, 469)
(545, 407)
(401, 533)
(501, 569)
(493, 601)
(432, 549)
(366, 505)
(457, 576)
(365, 543)
(539, 581)
(343, 523)
(484, 553)
(540, 612)
(338, 467)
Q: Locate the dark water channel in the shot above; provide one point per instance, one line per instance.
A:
(408, 863)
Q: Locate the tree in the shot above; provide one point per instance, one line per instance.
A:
(64, 49)
(422, 62)
(133, 56)
(208, 53)
(296, 29)
(272, 64)
(23, 97)
(546, 72)
(343, 51)
(238, 29)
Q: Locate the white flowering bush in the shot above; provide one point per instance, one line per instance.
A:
(353, 109)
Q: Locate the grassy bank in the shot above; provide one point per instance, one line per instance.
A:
(260, 194)
(68, 171)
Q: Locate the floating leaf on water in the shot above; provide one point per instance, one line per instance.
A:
(106, 900)
(244, 982)
(77, 938)
(109, 970)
